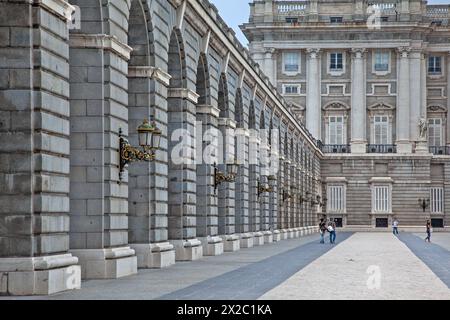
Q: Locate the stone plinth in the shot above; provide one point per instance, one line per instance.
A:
(268, 237)
(187, 250)
(276, 236)
(246, 240)
(212, 246)
(155, 255)
(258, 238)
(231, 243)
(39, 275)
(108, 263)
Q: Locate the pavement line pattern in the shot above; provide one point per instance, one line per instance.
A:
(253, 280)
(366, 266)
(434, 256)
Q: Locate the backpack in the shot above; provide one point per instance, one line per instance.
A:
(330, 228)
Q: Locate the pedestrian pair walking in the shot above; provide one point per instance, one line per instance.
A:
(331, 228)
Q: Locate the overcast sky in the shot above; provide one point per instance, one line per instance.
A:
(236, 12)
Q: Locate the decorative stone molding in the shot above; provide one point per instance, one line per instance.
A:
(149, 72)
(100, 41)
(358, 53)
(404, 51)
(381, 180)
(59, 7)
(313, 52)
(227, 122)
(183, 93)
(336, 180)
(208, 109)
(37, 263)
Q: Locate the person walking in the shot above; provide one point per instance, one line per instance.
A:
(322, 230)
(395, 227)
(428, 238)
(332, 230)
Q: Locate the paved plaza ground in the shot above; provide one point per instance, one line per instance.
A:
(360, 266)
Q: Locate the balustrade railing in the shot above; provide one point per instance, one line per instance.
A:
(381, 148)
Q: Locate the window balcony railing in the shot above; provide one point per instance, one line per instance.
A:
(381, 148)
(336, 148)
(438, 150)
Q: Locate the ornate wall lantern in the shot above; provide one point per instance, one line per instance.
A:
(229, 176)
(262, 188)
(149, 137)
(423, 203)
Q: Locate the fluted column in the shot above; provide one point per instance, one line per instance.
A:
(358, 140)
(313, 93)
(403, 102)
(269, 64)
(415, 93)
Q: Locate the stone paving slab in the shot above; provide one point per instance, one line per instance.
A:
(252, 281)
(342, 273)
(435, 256)
(154, 283)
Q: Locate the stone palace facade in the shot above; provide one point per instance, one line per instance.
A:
(370, 79)
(89, 86)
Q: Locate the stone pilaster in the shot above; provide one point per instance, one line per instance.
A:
(34, 149)
(448, 99)
(269, 65)
(403, 102)
(415, 80)
(182, 219)
(207, 137)
(148, 181)
(313, 98)
(98, 194)
(358, 139)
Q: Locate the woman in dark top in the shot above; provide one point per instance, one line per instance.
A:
(428, 231)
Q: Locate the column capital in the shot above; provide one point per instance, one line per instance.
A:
(313, 52)
(269, 50)
(358, 53)
(404, 51)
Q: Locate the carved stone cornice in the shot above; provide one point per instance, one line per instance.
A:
(149, 72)
(100, 41)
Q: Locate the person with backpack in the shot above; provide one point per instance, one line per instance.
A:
(322, 230)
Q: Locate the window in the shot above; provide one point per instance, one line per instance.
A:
(292, 89)
(381, 199)
(381, 130)
(336, 199)
(336, 130)
(435, 132)
(437, 200)
(291, 20)
(384, 19)
(335, 19)
(381, 61)
(434, 65)
(336, 61)
(291, 62)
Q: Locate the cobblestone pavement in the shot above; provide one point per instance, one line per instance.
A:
(352, 271)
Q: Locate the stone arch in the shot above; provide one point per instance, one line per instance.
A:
(140, 35)
(222, 96)
(252, 116)
(177, 60)
(203, 80)
(141, 96)
(239, 109)
(181, 186)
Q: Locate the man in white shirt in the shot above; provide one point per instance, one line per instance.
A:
(395, 227)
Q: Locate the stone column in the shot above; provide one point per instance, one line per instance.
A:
(313, 101)
(226, 190)
(415, 79)
(242, 182)
(35, 149)
(147, 208)
(358, 105)
(269, 69)
(403, 102)
(98, 194)
(182, 219)
(207, 144)
(448, 99)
